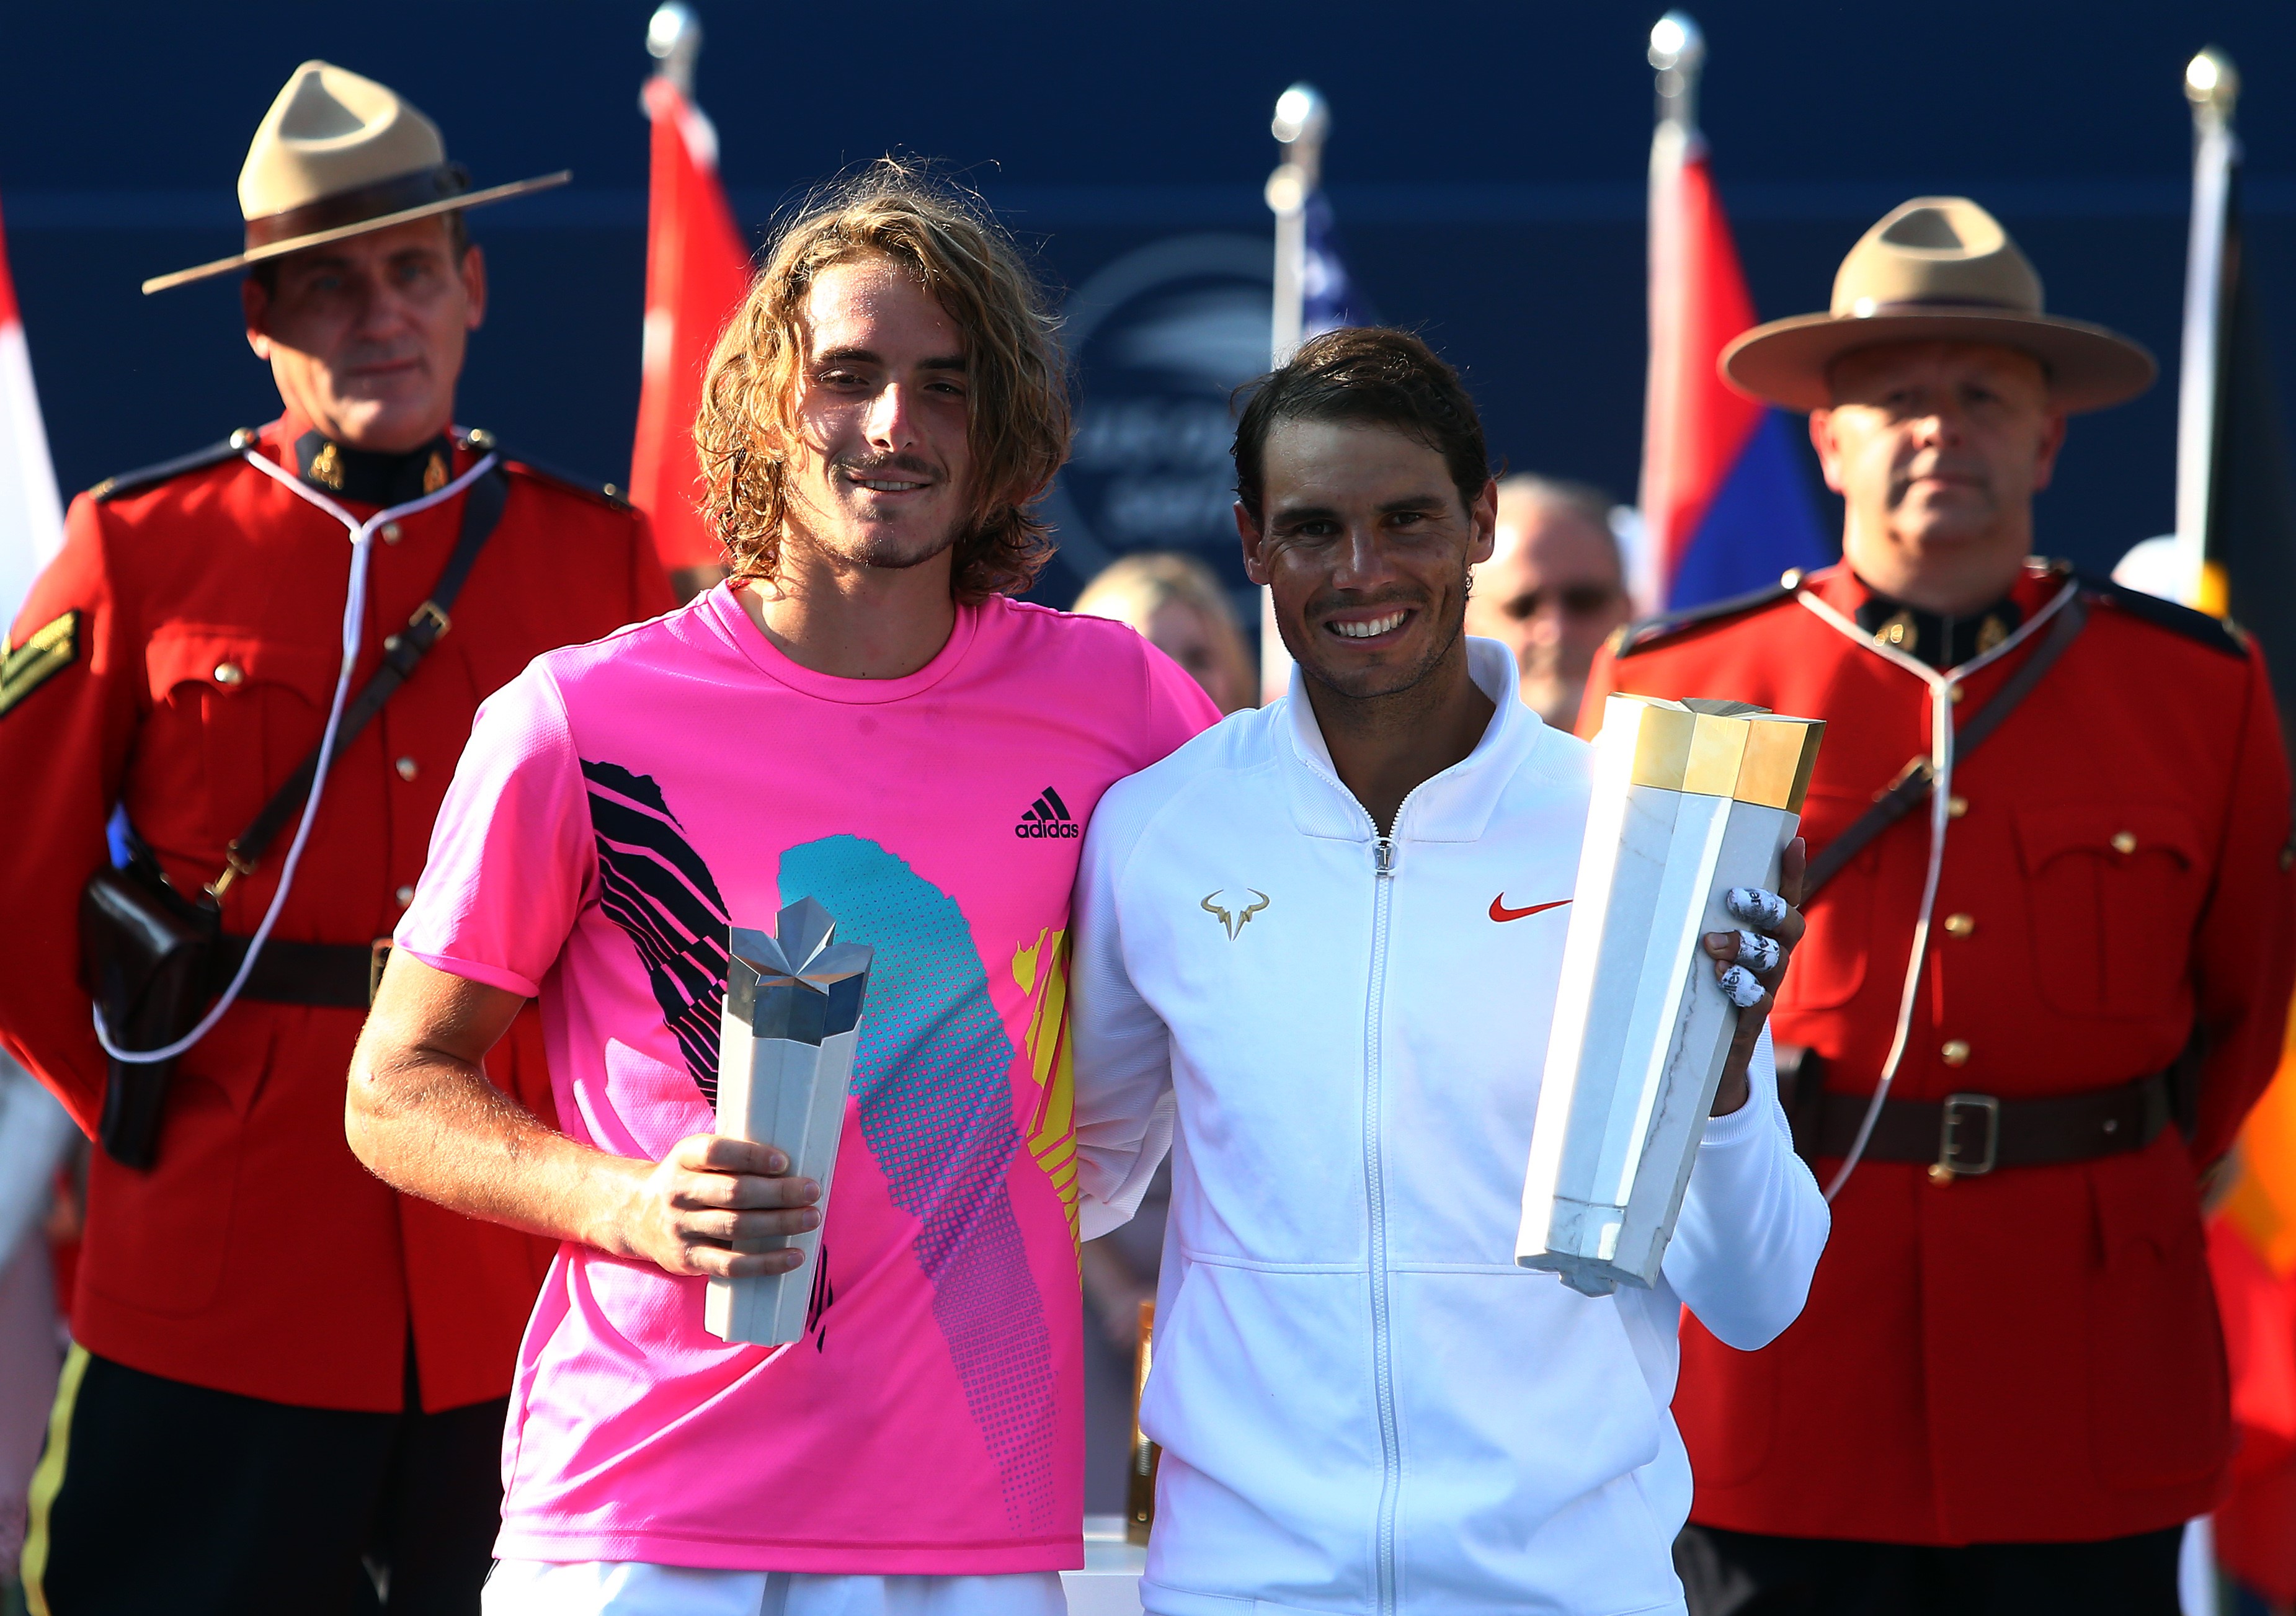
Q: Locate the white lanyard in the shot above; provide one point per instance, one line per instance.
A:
(1942, 687)
(361, 537)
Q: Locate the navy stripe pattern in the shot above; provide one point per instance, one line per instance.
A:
(657, 889)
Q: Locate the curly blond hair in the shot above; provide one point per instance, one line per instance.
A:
(1017, 398)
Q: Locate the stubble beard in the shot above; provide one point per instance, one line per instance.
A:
(1374, 684)
(850, 540)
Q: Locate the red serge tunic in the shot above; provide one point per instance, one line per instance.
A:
(2032, 1355)
(178, 658)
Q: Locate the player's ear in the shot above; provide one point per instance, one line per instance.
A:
(1248, 531)
(1484, 513)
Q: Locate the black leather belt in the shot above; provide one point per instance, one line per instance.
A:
(335, 976)
(1967, 1135)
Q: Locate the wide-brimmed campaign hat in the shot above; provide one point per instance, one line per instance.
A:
(339, 155)
(1937, 269)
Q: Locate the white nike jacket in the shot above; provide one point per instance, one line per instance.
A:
(1365, 1406)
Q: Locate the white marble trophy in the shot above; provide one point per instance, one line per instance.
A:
(785, 1042)
(1690, 798)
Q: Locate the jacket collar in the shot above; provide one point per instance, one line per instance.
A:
(1942, 643)
(1454, 806)
(363, 476)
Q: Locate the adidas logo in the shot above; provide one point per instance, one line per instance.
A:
(1047, 816)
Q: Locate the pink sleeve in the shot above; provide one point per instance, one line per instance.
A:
(1175, 711)
(511, 855)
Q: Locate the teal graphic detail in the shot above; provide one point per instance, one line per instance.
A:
(932, 1086)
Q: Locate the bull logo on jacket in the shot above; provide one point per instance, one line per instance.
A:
(1233, 914)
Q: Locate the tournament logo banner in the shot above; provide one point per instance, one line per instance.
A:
(1161, 338)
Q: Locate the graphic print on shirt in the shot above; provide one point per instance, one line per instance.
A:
(932, 1091)
(655, 887)
(1052, 1127)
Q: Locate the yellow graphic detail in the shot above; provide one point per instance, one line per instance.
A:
(1041, 969)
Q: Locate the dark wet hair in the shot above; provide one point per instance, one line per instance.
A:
(1372, 374)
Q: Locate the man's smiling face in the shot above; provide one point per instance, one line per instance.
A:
(1365, 548)
(880, 473)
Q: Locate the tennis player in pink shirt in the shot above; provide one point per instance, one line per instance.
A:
(863, 716)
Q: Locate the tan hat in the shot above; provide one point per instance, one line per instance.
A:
(337, 156)
(1937, 269)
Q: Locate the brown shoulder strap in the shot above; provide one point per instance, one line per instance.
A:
(1911, 788)
(482, 508)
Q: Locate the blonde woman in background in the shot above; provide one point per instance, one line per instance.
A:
(1177, 605)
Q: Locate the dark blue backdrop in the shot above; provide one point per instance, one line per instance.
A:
(1487, 164)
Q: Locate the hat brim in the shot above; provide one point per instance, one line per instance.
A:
(1786, 361)
(343, 233)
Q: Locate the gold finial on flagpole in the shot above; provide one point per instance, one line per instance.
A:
(674, 39)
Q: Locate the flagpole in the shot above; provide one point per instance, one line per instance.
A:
(674, 39)
(1677, 55)
(2213, 87)
(1303, 119)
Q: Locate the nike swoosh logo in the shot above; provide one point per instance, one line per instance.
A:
(1499, 911)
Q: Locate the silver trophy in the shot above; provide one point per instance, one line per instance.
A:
(785, 1041)
(1690, 798)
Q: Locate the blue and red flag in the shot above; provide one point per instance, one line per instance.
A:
(1726, 505)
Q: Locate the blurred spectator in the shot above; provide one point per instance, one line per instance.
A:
(1553, 590)
(1180, 608)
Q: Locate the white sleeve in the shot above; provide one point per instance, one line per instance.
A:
(1753, 1223)
(1124, 1106)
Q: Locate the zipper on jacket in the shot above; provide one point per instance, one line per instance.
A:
(1391, 1477)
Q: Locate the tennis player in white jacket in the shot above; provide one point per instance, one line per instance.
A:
(1317, 953)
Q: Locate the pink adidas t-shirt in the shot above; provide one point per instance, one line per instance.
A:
(618, 804)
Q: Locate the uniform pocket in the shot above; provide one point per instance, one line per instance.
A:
(156, 1241)
(258, 707)
(2113, 893)
(1829, 966)
(2159, 1388)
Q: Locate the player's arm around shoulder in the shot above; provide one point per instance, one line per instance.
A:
(1124, 1102)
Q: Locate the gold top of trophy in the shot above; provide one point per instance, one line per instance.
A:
(1719, 749)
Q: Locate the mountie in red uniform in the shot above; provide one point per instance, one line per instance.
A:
(178, 661)
(2028, 1353)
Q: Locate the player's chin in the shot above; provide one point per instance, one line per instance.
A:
(1363, 671)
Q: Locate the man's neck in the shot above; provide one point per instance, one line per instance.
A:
(1383, 747)
(854, 622)
(1952, 580)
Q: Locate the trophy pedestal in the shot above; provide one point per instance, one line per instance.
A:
(1689, 799)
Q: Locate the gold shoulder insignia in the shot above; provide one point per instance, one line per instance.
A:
(25, 667)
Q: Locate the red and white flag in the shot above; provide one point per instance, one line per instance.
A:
(697, 270)
(31, 517)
